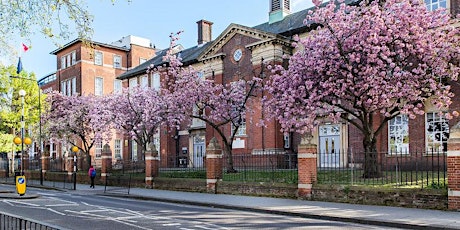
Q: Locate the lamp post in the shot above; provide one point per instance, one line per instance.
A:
(75, 151)
(22, 93)
(40, 149)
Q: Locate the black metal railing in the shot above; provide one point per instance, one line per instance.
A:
(183, 167)
(409, 169)
(264, 166)
(13, 222)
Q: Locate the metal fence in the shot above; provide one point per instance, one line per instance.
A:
(279, 167)
(182, 167)
(12, 222)
(411, 169)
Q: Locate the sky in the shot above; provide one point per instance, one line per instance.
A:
(155, 20)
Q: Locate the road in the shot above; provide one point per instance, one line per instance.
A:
(73, 210)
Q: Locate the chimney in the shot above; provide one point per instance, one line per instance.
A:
(204, 31)
(278, 10)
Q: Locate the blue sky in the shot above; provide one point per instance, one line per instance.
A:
(155, 20)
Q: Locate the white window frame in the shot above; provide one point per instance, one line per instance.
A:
(133, 82)
(63, 62)
(117, 61)
(398, 135)
(432, 6)
(118, 149)
(241, 130)
(98, 58)
(117, 86)
(144, 81)
(155, 81)
(98, 89)
(74, 58)
(436, 140)
(134, 150)
(63, 88)
(74, 85)
(98, 149)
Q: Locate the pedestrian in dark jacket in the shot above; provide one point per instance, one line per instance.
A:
(92, 175)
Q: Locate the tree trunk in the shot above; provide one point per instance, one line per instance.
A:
(229, 154)
(371, 162)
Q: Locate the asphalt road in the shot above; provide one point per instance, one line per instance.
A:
(80, 211)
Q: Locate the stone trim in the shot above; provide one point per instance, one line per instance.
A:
(152, 158)
(106, 157)
(306, 186)
(149, 178)
(453, 153)
(306, 155)
(211, 181)
(455, 193)
(213, 156)
(105, 174)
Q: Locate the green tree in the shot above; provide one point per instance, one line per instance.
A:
(11, 104)
(55, 19)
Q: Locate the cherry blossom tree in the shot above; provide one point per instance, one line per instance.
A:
(218, 105)
(140, 112)
(366, 64)
(78, 120)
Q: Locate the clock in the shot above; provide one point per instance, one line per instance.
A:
(237, 54)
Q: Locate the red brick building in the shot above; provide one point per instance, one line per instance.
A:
(92, 69)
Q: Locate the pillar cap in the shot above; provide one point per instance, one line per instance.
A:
(213, 145)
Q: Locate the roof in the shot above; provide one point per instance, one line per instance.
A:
(92, 42)
(188, 56)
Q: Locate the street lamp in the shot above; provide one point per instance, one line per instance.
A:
(75, 151)
(40, 149)
(22, 93)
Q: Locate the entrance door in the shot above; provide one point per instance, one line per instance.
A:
(329, 146)
(198, 151)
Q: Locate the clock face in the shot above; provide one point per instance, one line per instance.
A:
(237, 55)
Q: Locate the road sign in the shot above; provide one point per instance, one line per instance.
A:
(21, 185)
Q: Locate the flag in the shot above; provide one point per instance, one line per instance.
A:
(19, 68)
(24, 47)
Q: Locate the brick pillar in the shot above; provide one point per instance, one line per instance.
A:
(213, 165)
(453, 168)
(106, 162)
(45, 161)
(152, 165)
(307, 168)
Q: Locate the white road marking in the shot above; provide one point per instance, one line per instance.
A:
(24, 203)
(172, 224)
(52, 210)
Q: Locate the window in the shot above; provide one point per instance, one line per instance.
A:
(68, 60)
(98, 86)
(63, 66)
(142, 60)
(117, 88)
(432, 5)
(132, 82)
(155, 81)
(69, 86)
(144, 82)
(74, 86)
(74, 58)
(117, 61)
(241, 130)
(398, 135)
(134, 150)
(98, 57)
(98, 149)
(118, 149)
(437, 132)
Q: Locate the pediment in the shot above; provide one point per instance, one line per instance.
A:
(213, 49)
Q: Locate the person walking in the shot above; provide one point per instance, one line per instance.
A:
(92, 175)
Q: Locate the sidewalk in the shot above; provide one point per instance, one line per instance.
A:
(364, 214)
